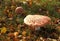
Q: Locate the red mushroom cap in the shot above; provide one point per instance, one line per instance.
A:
(36, 20)
(19, 10)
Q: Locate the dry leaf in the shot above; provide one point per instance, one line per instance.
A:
(15, 39)
(24, 33)
(3, 30)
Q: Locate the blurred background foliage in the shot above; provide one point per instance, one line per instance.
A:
(49, 8)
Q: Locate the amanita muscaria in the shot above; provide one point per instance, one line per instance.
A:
(19, 10)
(36, 21)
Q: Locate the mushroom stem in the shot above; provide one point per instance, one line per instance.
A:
(34, 28)
(37, 28)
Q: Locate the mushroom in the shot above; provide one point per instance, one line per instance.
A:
(36, 21)
(19, 10)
